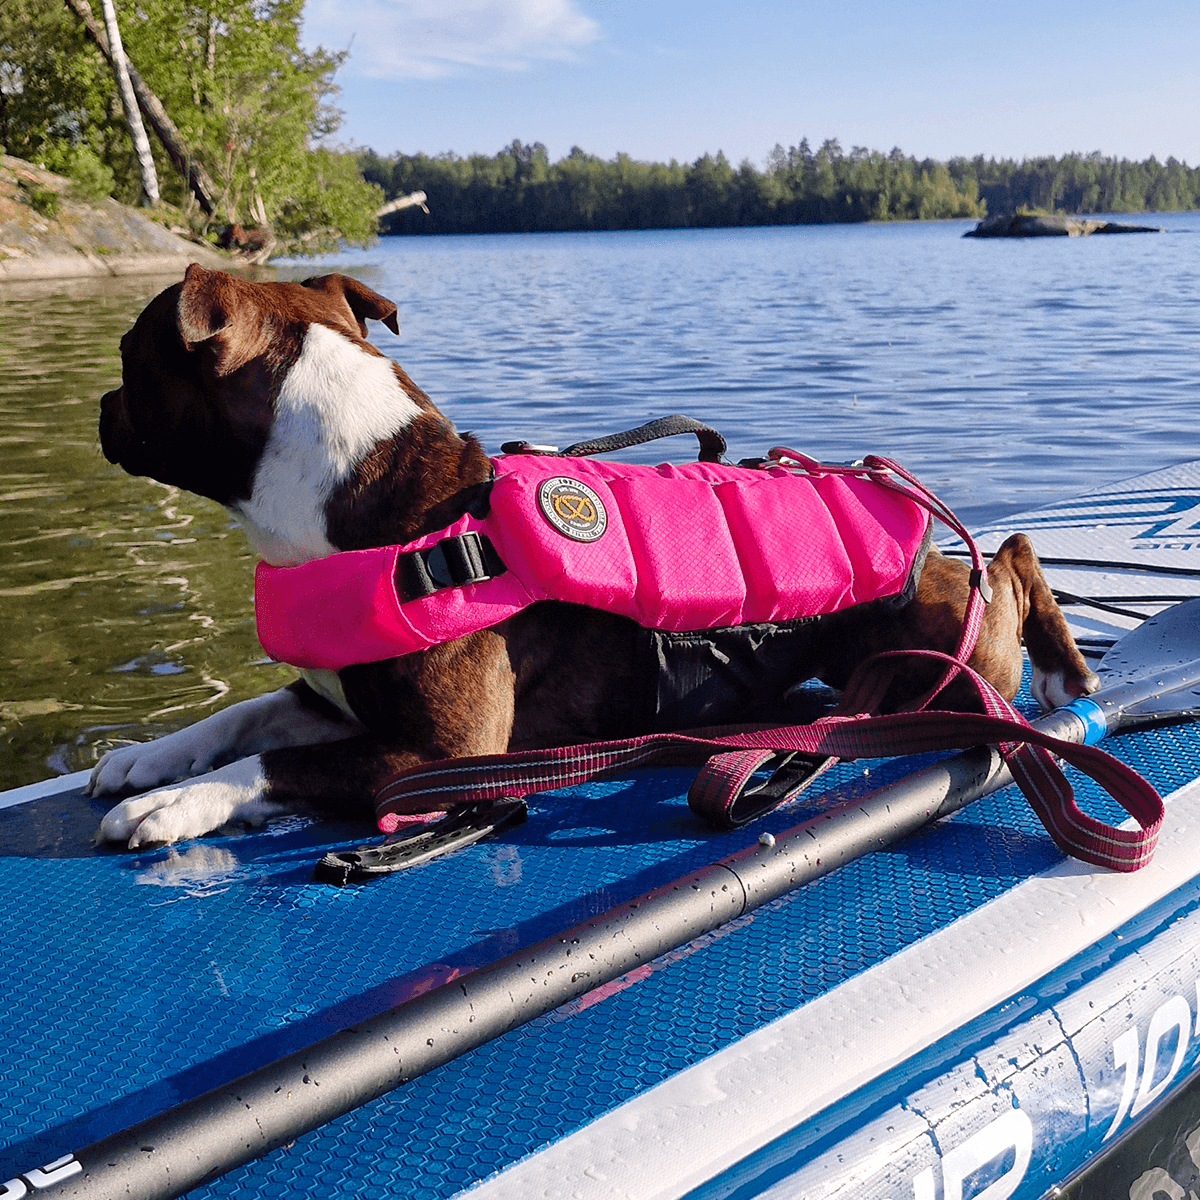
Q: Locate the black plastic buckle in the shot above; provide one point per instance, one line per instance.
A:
(979, 580)
(460, 828)
(451, 562)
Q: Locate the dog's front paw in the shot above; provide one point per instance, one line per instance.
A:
(149, 764)
(1053, 689)
(173, 814)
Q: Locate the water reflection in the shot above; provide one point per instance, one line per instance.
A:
(125, 606)
(199, 871)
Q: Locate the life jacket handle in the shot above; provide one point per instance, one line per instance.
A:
(712, 444)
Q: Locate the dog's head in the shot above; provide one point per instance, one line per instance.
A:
(265, 397)
(202, 369)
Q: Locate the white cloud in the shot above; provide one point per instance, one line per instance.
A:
(426, 39)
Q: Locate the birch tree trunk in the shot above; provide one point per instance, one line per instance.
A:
(202, 187)
(133, 118)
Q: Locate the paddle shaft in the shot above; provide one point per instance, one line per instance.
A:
(201, 1139)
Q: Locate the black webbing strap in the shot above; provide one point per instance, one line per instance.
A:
(712, 444)
(451, 562)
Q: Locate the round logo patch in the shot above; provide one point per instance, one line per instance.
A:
(572, 508)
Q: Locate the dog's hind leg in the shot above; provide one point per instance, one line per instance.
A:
(1022, 610)
(1059, 673)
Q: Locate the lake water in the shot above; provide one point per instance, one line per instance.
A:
(1006, 374)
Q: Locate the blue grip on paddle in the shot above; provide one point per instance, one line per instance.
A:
(1092, 716)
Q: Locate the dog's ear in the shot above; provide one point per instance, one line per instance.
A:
(221, 314)
(359, 298)
(201, 312)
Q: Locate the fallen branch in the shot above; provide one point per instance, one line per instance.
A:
(410, 201)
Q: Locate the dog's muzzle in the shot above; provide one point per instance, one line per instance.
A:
(118, 440)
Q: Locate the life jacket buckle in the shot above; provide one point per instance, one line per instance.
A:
(451, 562)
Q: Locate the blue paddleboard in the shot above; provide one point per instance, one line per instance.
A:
(963, 1015)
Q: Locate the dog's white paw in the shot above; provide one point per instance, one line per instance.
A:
(172, 814)
(147, 764)
(1051, 689)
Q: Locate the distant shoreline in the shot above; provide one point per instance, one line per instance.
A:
(519, 190)
(386, 236)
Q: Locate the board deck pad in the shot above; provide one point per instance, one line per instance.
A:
(134, 981)
(1133, 545)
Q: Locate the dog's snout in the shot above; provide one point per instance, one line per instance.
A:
(116, 433)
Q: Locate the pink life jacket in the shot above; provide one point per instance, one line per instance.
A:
(677, 548)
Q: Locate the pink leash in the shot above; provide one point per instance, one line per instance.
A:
(452, 782)
(722, 793)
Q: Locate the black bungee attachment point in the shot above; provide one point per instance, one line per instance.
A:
(463, 827)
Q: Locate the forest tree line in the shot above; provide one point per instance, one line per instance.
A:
(256, 112)
(520, 190)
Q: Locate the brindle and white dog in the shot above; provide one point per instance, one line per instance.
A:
(268, 399)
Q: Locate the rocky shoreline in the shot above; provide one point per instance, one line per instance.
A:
(46, 233)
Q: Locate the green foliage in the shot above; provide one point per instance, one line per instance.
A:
(1087, 183)
(249, 102)
(91, 178)
(519, 189)
(330, 202)
(55, 89)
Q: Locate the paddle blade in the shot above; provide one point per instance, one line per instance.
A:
(1152, 674)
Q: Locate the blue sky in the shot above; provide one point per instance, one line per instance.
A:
(662, 79)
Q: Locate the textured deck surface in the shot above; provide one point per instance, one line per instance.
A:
(135, 981)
